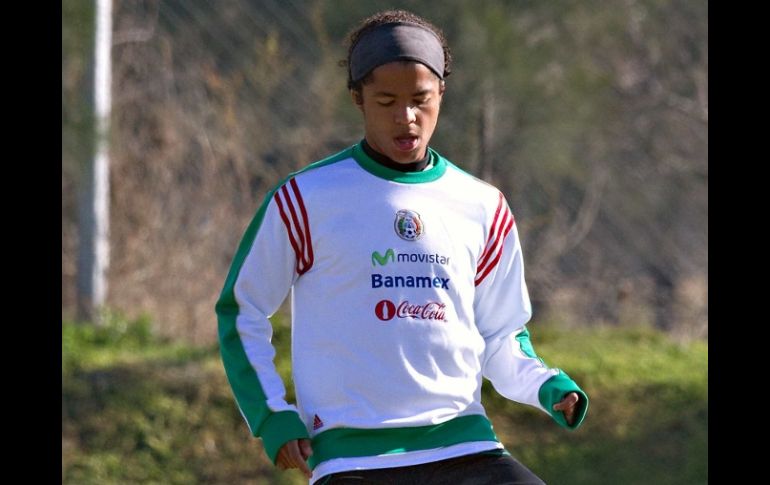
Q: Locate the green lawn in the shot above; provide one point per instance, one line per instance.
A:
(137, 409)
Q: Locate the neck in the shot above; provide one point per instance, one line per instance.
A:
(378, 157)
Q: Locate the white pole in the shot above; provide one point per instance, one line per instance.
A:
(101, 162)
(95, 248)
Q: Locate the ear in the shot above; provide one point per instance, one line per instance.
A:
(357, 98)
(441, 88)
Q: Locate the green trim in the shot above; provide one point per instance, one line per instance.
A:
(241, 375)
(554, 389)
(279, 428)
(337, 157)
(381, 171)
(243, 379)
(526, 344)
(350, 442)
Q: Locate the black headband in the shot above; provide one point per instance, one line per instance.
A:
(396, 42)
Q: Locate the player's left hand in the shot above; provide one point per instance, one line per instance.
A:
(568, 406)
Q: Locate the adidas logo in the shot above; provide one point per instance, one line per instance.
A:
(317, 423)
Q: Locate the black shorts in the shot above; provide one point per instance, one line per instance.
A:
(495, 467)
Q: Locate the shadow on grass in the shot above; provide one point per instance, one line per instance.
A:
(170, 420)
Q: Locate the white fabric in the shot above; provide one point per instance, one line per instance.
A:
(353, 369)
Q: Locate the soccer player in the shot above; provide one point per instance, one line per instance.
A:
(407, 287)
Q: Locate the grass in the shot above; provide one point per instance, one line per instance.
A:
(140, 409)
(648, 415)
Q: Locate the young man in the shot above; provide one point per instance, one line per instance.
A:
(407, 287)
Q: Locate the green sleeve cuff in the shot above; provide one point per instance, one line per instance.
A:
(554, 389)
(280, 428)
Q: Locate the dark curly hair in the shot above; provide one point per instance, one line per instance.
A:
(387, 17)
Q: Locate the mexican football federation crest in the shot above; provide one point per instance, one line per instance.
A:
(408, 225)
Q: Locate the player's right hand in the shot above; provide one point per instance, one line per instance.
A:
(294, 454)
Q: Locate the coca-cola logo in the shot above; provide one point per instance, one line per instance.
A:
(386, 310)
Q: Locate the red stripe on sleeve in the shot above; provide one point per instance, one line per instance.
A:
(295, 224)
(502, 224)
(286, 223)
(487, 245)
(480, 276)
(493, 234)
(306, 220)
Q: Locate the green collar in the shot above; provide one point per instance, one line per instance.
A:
(433, 173)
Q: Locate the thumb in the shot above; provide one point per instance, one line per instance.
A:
(569, 400)
(305, 448)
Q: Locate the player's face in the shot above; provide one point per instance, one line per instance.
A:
(401, 106)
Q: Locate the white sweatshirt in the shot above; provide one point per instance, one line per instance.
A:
(407, 288)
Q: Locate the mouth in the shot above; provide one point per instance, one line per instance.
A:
(406, 143)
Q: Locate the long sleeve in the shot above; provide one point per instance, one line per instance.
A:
(264, 268)
(502, 308)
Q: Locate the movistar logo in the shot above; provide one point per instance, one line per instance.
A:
(383, 260)
(391, 256)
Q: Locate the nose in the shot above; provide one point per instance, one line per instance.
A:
(405, 115)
